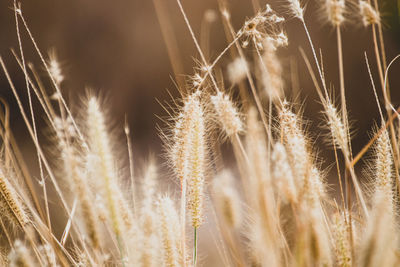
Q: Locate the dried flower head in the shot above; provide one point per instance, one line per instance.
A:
(261, 26)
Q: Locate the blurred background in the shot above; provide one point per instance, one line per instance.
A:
(116, 48)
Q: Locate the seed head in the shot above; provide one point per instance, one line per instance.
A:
(334, 11)
(296, 9)
(227, 199)
(237, 70)
(227, 114)
(336, 126)
(369, 15)
(283, 179)
(170, 231)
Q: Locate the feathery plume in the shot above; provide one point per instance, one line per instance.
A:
(10, 204)
(55, 68)
(237, 70)
(334, 11)
(296, 9)
(282, 175)
(48, 254)
(369, 15)
(383, 171)
(227, 199)
(170, 231)
(295, 144)
(271, 76)
(75, 175)
(102, 158)
(21, 256)
(336, 126)
(341, 240)
(196, 163)
(227, 114)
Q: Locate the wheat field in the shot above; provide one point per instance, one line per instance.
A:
(248, 186)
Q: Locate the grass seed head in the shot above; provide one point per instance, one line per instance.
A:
(227, 114)
(335, 11)
(369, 15)
(227, 199)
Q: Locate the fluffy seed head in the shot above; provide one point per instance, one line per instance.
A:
(336, 126)
(369, 15)
(210, 15)
(55, 69)
(237, 70)
(296, 9)
(49, 255)
(295, 144)
(196, 147)
(21, 256)
(227, 199)
(103, 162)
(170, 231)
(334, 11)
(341, 236)
(11, 205)
(383, 170)
(227, 114)
(188, 153)
(271, 74)
(282, 174)
(256, 147)
(179, 152)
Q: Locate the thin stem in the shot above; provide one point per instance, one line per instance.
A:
(381, 42)
(315, 57)
(183, 219)
(378, 58)
(49, 112)
(195, 247)
(267, 126)
(43, 182)
(131, 166)
(52, 78)
(344, 109)
(36, 143)
(386, 97)
(236, 140)
(171, 43)
(372, 141)
(341, 76)
(347, 154)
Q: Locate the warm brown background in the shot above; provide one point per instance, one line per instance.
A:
(116, 47)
